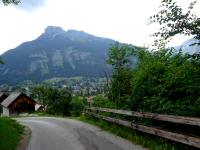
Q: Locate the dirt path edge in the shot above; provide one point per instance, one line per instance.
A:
(26, 135)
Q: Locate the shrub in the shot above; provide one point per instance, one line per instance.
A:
(102, 101)
(166, 83)
(77, 105)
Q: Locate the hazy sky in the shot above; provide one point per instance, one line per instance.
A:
(122, 20)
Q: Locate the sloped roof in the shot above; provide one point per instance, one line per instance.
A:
(38, 106)
(12, 97)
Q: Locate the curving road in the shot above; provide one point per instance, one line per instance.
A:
(50, 133)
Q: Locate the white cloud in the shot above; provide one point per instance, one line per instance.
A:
(30, 5)
(123, 20)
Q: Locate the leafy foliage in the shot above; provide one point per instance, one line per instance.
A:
(165, 82)
(59, 102)
(174, 20)
(120, 57)
(77, 105)
(56, 100)
(102, 101)
(40, 93)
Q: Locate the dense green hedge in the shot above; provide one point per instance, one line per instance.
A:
(77, 105)
(102, 101)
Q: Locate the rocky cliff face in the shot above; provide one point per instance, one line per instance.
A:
(191, 46)
(56, 53)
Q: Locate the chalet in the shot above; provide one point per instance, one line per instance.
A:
(17, 103)
(3, 96)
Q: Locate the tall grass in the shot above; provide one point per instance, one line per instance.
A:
(10, 133)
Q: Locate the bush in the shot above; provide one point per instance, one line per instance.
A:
(77, 105)
(120, 57)
(56, 100)
(102, 101)
(166, 83)
(59, 102)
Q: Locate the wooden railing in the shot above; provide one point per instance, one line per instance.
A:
(178, 137)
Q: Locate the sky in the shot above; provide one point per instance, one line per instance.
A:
(121, 20)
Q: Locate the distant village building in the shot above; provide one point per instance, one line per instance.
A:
(3, 96)
(17, 103)
(39, 107)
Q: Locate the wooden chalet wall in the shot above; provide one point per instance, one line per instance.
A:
(22, 104)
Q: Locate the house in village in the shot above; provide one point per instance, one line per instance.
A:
(17, 103)
(39, 107)
(3, 96)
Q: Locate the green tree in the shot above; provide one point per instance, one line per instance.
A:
(102, 101)
(77, 105)
(120, 57)
(165, 82)
(41, 93)
(174, 20)
(56, 100)
(59, 102)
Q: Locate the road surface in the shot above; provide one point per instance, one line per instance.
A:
(50, 133)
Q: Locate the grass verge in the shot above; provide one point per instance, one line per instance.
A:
(146, 140)
(10, 133)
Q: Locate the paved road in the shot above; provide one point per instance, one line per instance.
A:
(49, 133)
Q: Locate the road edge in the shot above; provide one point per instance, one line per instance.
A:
(25, 138)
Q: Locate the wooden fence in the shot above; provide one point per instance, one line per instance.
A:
(178, 137)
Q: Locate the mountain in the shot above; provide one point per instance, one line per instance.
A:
(191, 46)
(56, 53)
